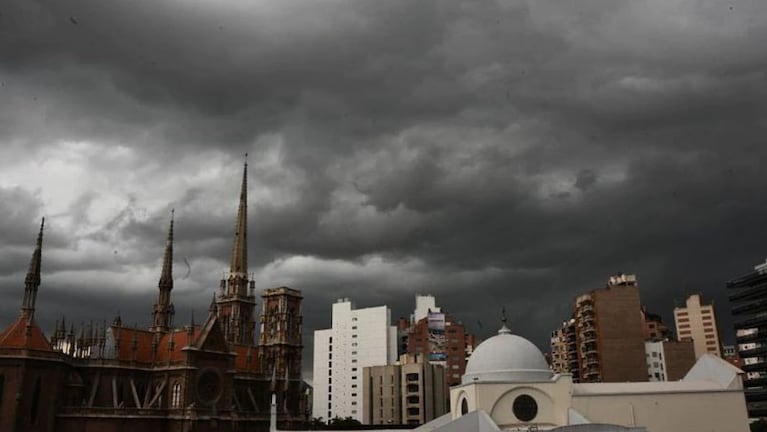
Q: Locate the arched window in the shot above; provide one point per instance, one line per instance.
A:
(35, 406)
(175, 397)
(464, 407)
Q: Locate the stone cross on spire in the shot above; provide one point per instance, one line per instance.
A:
(32, 281)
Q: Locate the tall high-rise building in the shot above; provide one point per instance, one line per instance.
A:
(564, 350)
(424, 304)
(697, 322)
(357, 338)
(748, 299)
(412, 391)
(440, 338)
(609, 332)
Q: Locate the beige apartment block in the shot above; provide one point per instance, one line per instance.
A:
(697, 322)
(412, 391)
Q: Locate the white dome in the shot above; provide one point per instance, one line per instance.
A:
(507, 358)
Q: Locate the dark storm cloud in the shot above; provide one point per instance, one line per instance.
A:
(518, 151)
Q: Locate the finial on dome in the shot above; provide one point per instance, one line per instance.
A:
(504, 329)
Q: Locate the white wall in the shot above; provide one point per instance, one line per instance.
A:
(357, 338)
(720, 411)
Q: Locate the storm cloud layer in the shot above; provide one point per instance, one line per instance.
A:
(488, 152)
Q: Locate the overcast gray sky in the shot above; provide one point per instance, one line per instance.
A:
(488, 152)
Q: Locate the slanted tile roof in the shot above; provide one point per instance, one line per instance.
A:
(241, 361)
(143, 344)
(15, 336)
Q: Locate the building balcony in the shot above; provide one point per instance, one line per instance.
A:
(751, 307)
(755, 290)
(591, 361)
(755, 382)
(756, 395)
(759, 351)
(755, 367)
(753, 337)
(760, 321)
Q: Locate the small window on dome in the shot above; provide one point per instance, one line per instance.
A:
(464, 407)
(525, 408)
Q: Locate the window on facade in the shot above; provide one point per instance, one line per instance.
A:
(354, 327)
(412, 388)
(330, 364)
(35, 406)
(464, 407)
(413, 411)
(330, 389)
(413, 399)
(525, 408)
(354, 402)
(354, 369)
(412, 377)
(175, 397)
(354, 394)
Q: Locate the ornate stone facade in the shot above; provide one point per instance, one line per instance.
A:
(110, 377)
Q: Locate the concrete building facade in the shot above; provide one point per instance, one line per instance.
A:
(697, 322)
(412, 392)
(668, 360)
(609, 332)
(357, 338)
(748, 300)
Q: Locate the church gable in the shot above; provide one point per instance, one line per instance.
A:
(211, 337)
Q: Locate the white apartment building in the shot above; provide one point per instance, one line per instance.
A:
(357, 338)
(697, 322)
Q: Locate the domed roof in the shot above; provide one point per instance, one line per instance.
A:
(506, 358)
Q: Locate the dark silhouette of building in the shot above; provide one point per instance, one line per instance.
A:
(748, 299)
(112, 377)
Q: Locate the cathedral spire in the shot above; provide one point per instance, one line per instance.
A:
(163, 310)
(166, 276)
(239, 265)
(32, 281)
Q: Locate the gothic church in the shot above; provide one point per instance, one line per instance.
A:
(113, 377)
